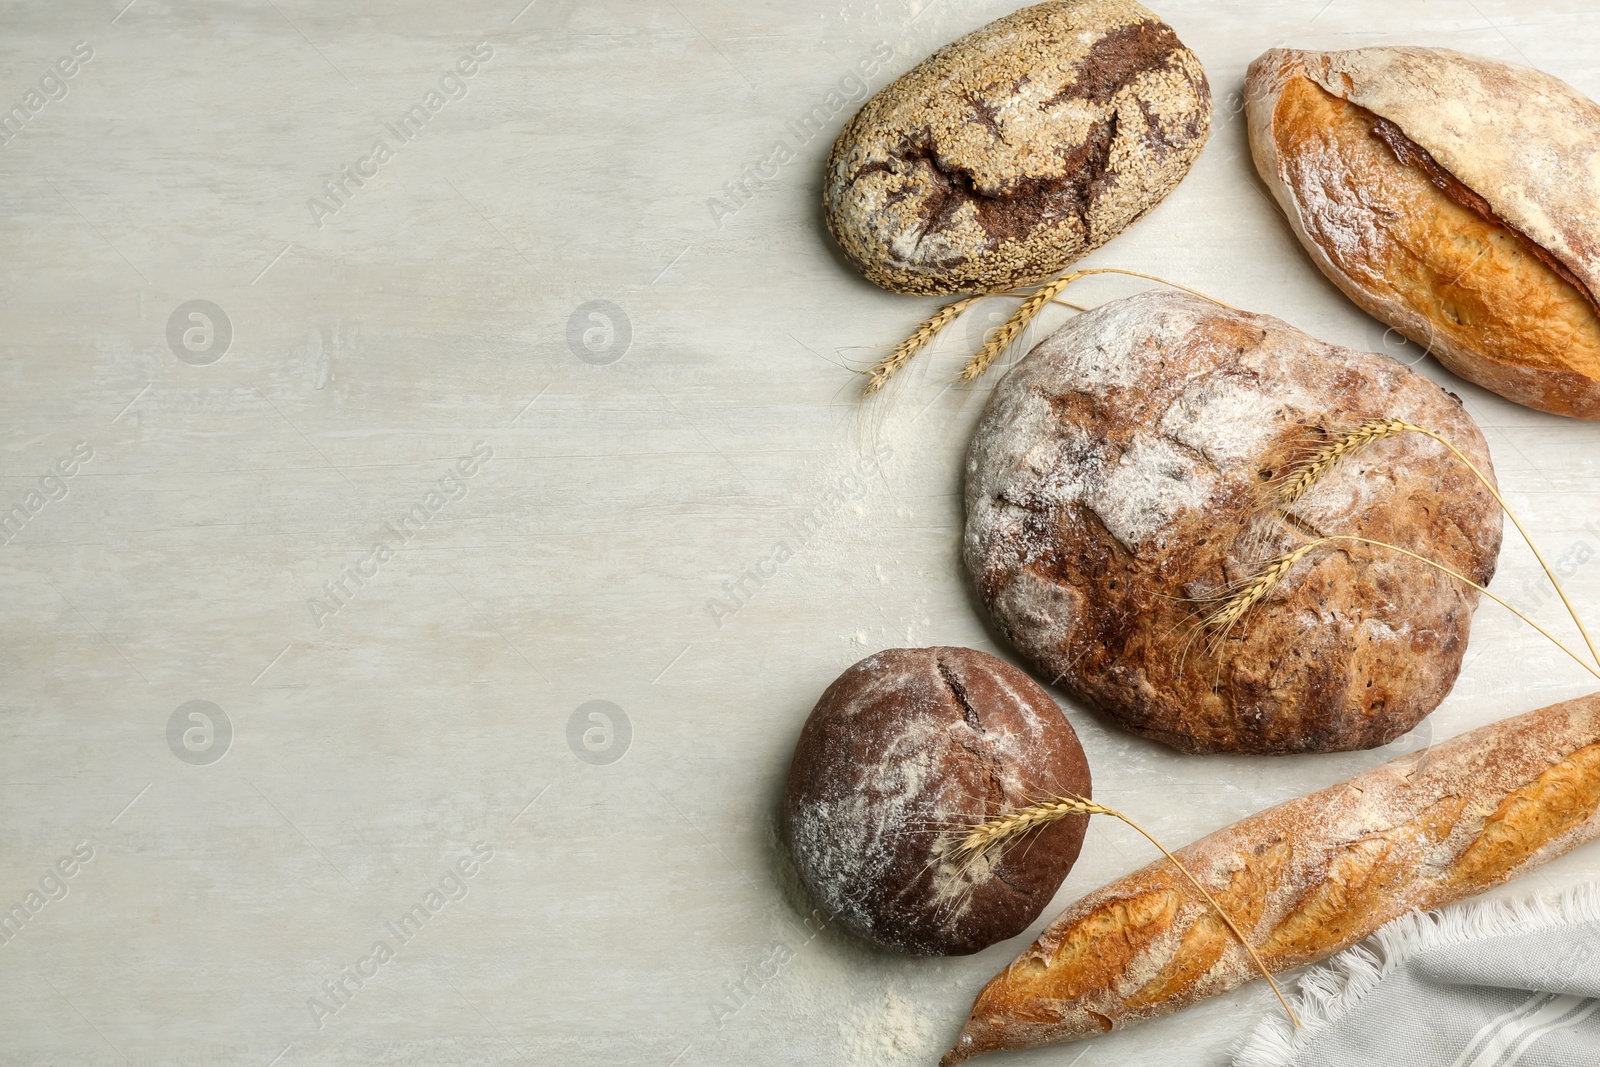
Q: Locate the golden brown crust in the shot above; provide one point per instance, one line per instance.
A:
(1411, 242)
(1125, 465)
(1305, 879)
(1017, 149)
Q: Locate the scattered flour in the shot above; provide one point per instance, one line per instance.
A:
(890, 1033)
(846, 836)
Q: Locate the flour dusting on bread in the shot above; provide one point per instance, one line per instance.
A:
(1124, 470)
(904, 752)
(1304, 879)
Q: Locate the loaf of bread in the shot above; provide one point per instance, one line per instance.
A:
(903, 750)
(1304, 880)
(1453, 197)
(1121, 482)
(1017, 149)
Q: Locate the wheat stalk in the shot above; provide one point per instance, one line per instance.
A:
(931, 327)
(1014, 824)
(1259, 587)
(1255, 591)
(1152, 278)
(1008, 331)
(920, 338)
(1324, 459)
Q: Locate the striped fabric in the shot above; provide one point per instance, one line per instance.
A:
(1476, 985)
(1503, 1040)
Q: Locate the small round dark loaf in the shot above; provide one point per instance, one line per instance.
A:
(903, 751)
(1128, 474)
(1023, 146)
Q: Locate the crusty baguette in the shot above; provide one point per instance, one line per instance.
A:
(1304, 879)
(1450, 196)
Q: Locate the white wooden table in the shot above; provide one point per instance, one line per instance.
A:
(579, 387)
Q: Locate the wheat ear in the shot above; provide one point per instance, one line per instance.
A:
(1008, 331)
(1031, 307)
(1255, 591)
(1325, 458)
(934, 324)
(1016, 823)
(920, 338)
(1263, 584)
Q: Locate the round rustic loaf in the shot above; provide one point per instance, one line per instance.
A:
(1451, 196)
(1127, 474)
(1019, 148)
(905, 750)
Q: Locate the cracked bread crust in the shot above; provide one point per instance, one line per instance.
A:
(1121, 481)
(1450, 196)
(1304, 880)
(903, 750)
(1018, 149)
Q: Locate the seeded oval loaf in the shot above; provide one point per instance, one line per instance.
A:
(1125, 478)
(1017, 149)
(1304, 880)
(1453, 197)
(905, 749)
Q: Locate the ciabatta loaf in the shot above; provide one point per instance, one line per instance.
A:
(1304, 880)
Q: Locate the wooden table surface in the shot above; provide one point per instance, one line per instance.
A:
(470, 495)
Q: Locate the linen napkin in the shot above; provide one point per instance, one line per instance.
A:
(1476, 984)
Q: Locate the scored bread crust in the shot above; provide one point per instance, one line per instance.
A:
(1123, 482)
(1522, 139)
(1501, 195)
(902, 747)
(1304, 880)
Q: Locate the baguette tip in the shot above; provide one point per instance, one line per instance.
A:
(961, 1053)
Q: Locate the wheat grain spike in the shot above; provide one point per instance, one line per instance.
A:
(920, 338)
(1008, 331)
(1018, 822)
(1256, 590)
(1326, 457)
